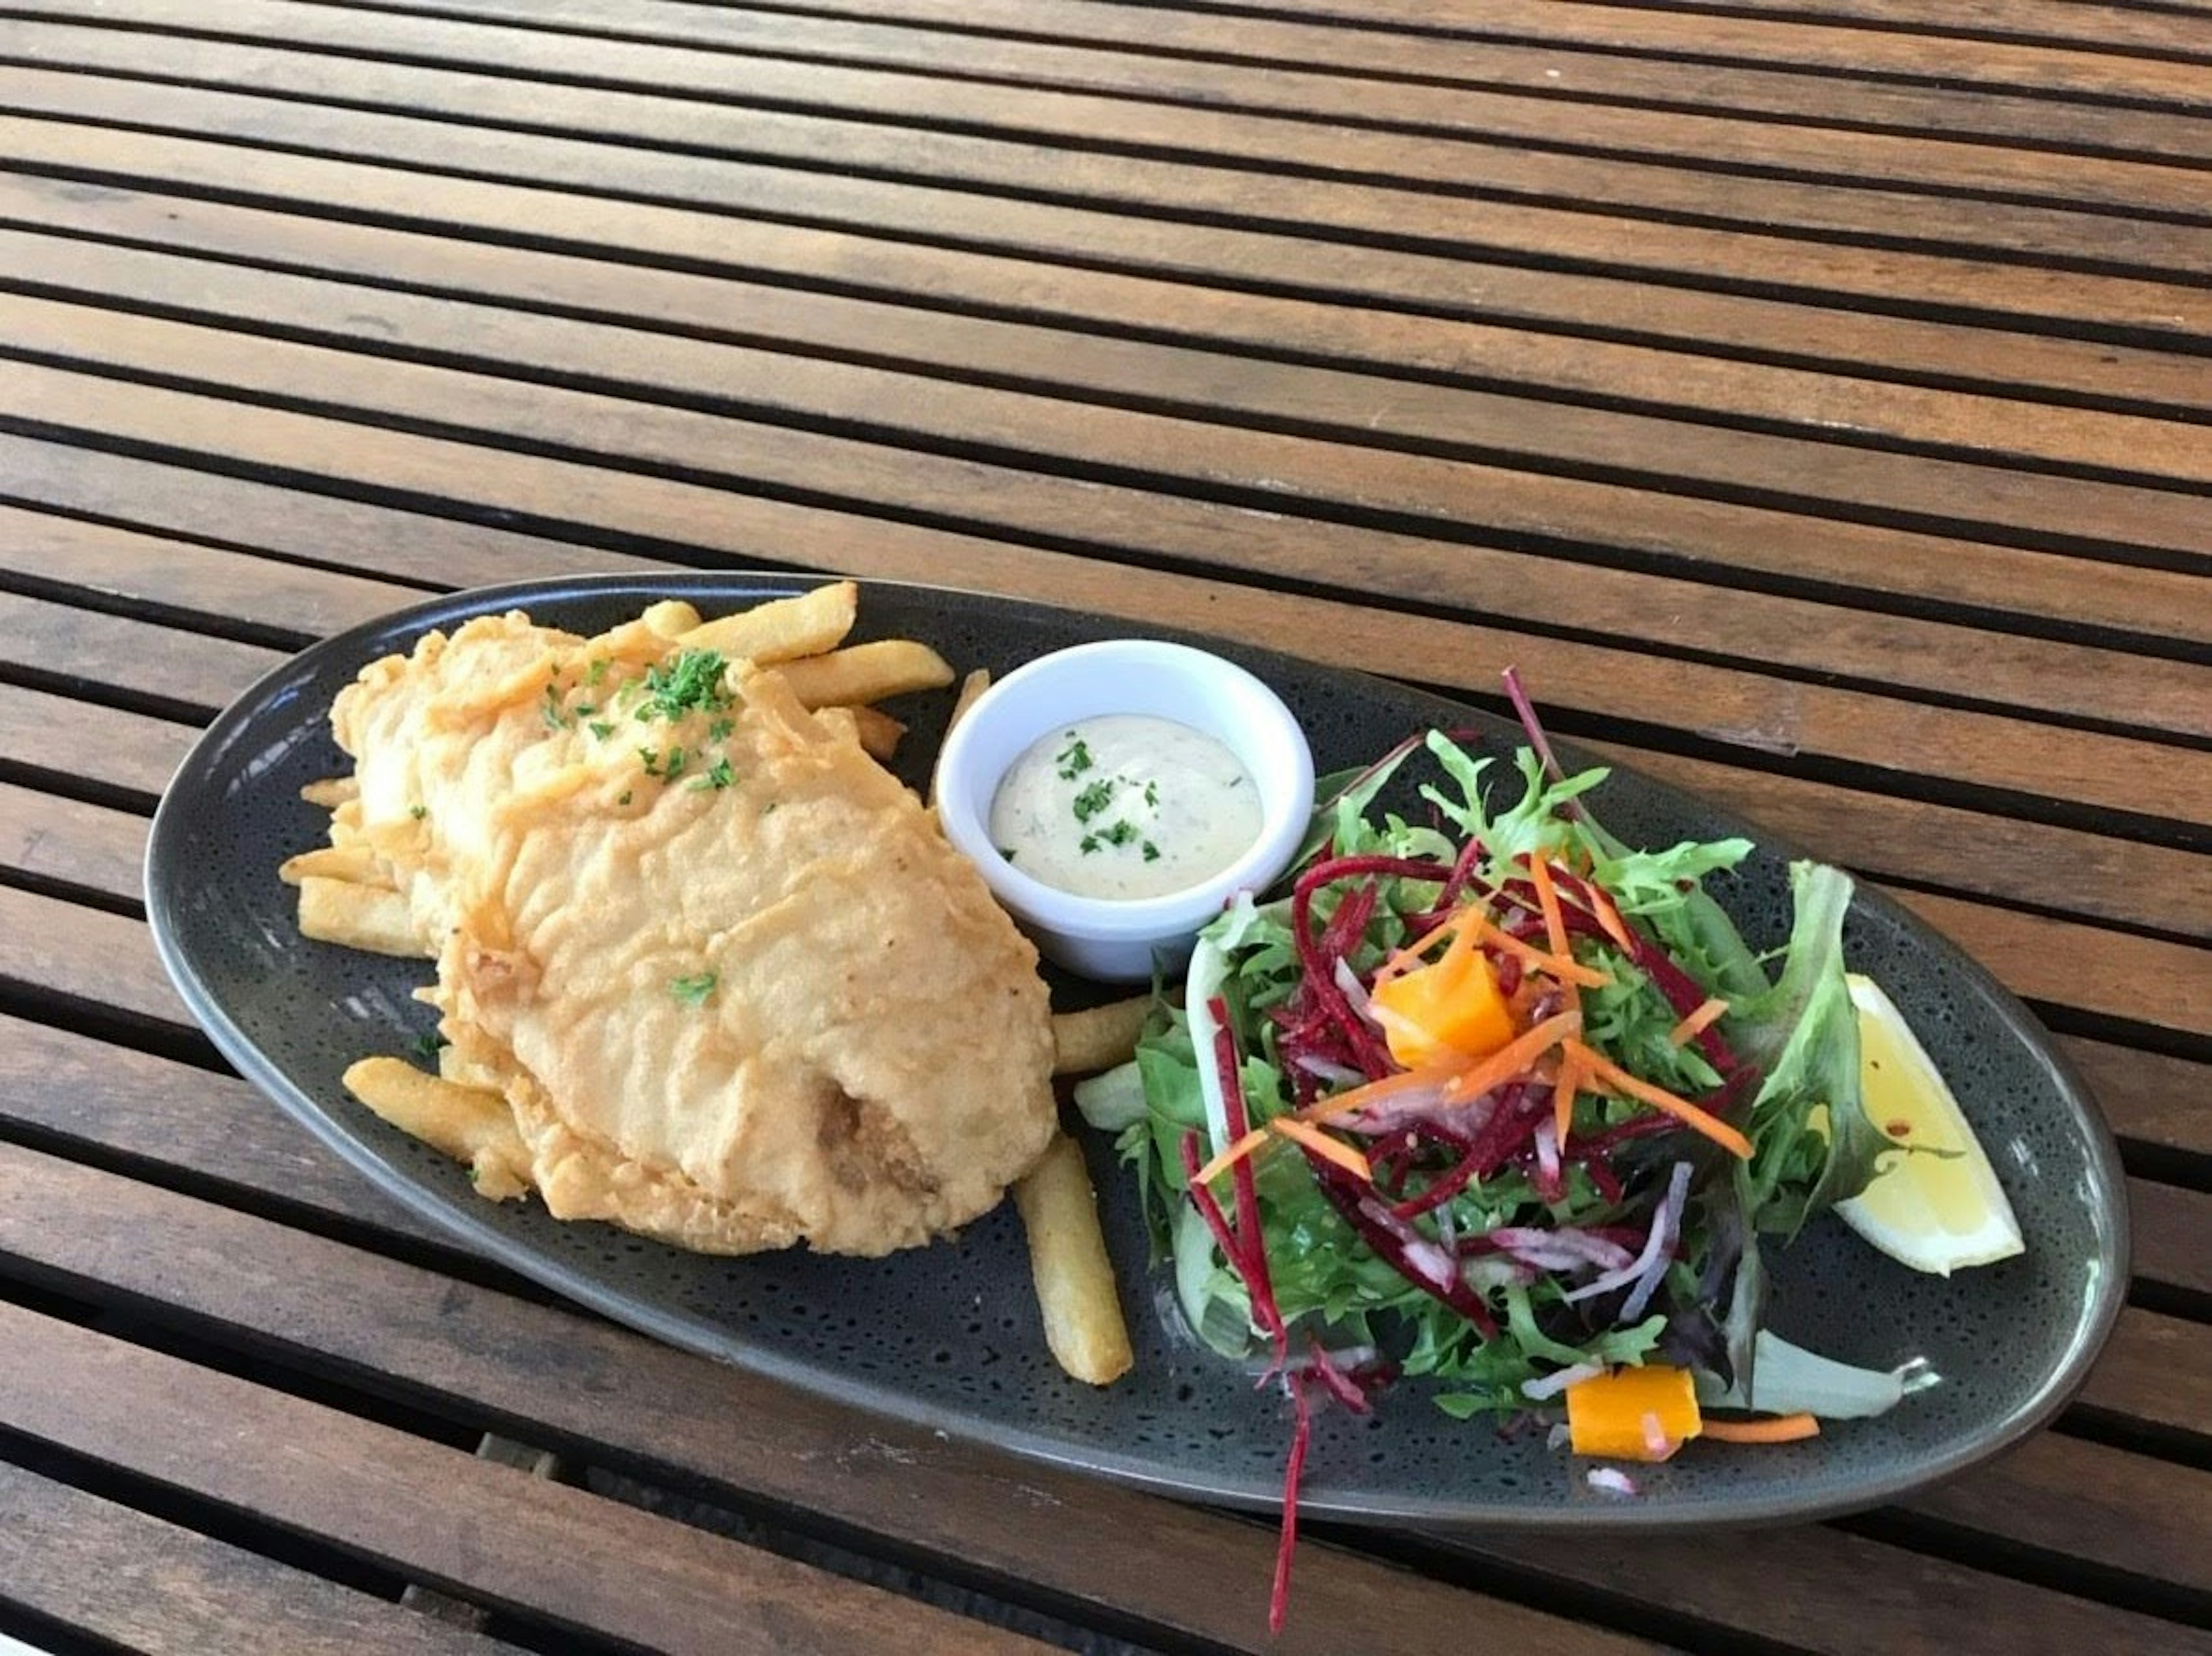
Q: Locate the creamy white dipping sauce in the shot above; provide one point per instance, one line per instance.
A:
(1124, 805)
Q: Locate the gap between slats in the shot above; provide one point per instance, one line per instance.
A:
(1004, 196)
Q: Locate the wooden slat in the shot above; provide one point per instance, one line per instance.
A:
(1819, 406)
(973, 184)
(143, 1584)
(2171, 1225)
(53, 837)
(1510, 146)
(565, 1380)
(1728, 706)
(1702, 538)
(2147, 1095)
(1161, 282)
(127, 564)
(452, 1520)
(76, 1091)
(2099, 27)
(1734, 39)
(2168, 984)
(2155, 1372)
(2089, 1503)
(1363, 76)
(134, 657)
(2040, 675)
(1821, 1591)
(73, 738)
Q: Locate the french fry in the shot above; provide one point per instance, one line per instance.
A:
(1074, 1279)
(1098, 1037)
(672, 618)
(355, 864)
(971, 687)
(331, 791)
(783, 629)
(371, 917)
(865, 673)
(878, 732)
(469, 1123)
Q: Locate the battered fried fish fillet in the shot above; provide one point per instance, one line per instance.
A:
(736, 988)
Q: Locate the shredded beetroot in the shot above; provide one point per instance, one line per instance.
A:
(1397, 1244)
(1257, 1283)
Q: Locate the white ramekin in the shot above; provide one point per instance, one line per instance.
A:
(1118, 940)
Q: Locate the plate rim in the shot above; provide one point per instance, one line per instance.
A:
(479, 1231)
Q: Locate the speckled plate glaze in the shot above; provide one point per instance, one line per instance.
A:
(947, 1337)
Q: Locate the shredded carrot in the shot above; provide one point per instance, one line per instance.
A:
(1547, 899)
(1406, 959)
(1781, 1428)
(1564, 1088)
(1562, 967)
(1602, 1069)
(1335, 1149)
(1702, 1018)
(1229, 1156)
(1511, 1059)
(1608, 917)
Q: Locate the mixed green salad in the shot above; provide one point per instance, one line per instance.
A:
(1483, 1094)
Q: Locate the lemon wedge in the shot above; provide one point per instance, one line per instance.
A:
(1934, 1212)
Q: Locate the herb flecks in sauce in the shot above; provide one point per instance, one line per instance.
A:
(1125, 805)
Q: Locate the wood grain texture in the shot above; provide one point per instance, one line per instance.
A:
(1122, 207)
(452, 1520)
(1359, 76)
(1501, 147)
(117, 1574)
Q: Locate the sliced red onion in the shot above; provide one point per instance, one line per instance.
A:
(1656, 1442)
(1355, 993)
(1647, 1267)
(1550, 1386)
(1547, 1151)
(1582, 1247)
(1328, 1069)
(1422, 1106)
(1606, 1481)
(1559, 1437)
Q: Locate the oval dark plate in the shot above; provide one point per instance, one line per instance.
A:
(948, 1337)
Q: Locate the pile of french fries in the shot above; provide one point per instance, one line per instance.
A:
(349, 894)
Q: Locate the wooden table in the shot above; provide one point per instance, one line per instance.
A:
(1809, 397)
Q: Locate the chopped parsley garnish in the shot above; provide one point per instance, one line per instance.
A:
(596, 672)
(1087, 844)
(418, 812)
(692, 682)
(1152, 792)
(601, 728)
(1073, 759)
(1006, 851)
(719, 730)
(1093, 800)
(1120, 834)
(624, 800)
(1151, 852)
(650, 758)
(427, 1046)
(693, 990)
(555, 718)
(673, 766)
(721, 776)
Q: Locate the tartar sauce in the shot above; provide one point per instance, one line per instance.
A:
(1124, 805)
